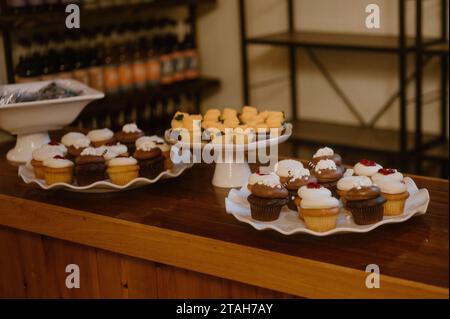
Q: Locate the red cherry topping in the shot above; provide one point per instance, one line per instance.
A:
(366, 162)
(313, 185)
(58, 157)
(386, 171)
(53, 143)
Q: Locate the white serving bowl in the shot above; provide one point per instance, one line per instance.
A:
(31, 121)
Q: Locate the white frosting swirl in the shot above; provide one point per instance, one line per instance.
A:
(118, 148)
(326, 164)
(46, 151)
(100, 135)
(299, 174)
(89, 151)
(122, 161)
(326, 151)
(82, 142)
(349, 182)
(272, 179)
(317, 198)
(131, 128)
(70, 138)
(147, 146)
(57, 163)
(286, 168)
(153, 138)
(363, 170)
(392, 187)
(106, 152)
(397, 176)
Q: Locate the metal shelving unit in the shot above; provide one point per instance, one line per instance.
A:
(400, 45)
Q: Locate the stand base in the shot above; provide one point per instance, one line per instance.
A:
(229, 175)
(25, 145)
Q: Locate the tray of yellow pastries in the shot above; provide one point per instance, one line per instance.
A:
(101, 161)
(326, 198)
(248, 129)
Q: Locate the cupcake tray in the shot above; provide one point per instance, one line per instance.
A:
(288, 223)
(27, 174)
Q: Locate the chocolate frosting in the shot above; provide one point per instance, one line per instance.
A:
(328, 175)
(144, 155)
(89, 159)
(335, 158)
(295, 184)
(124, 137)
(265, 191)
(362, 193)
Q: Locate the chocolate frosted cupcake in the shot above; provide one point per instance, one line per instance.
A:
(150, 160)
(266, 200)
(90, 167)
(366, 204)
(128, 136)
(324, 154)
(346, 183)
(261, 177)
(327, 174)
(300, 178)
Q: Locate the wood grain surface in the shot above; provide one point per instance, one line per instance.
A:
(412, 256)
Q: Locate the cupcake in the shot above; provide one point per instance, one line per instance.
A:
(266, 200)
(287, 168)
(269, 178)
(325, 153)
(366, 168)
(101, 137)
(90, 167)
(57, 169)
(162, 145)
(76, 143)
(150, 160)
(327, 174)
(300, 178)
(346, 183)
(128, 136)
(387, 174)
(366, 204)
(318, 208)
(396, 195)
(42, 153)
(122, 170)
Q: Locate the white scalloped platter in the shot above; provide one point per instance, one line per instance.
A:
(236, 204)
(27, 174)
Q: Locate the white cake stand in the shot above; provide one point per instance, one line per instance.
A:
(31, 121)
(229, 173)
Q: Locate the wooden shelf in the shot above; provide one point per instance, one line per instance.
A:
(351, 137)
(40, 19)
(331, 40)
(437, 49)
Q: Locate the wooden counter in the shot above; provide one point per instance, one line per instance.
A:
(175, 239)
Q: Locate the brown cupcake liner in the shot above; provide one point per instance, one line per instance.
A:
(265, 209)
(151, 168)
(89, 174)
(291, 204)
(366, 215)
(332, 186)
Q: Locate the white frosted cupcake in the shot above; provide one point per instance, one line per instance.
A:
(396, 195)
(318, 208)
(42, 153)
(122, 170)
(57, 169)
(101, 137)
(386, 174)
(366, 168)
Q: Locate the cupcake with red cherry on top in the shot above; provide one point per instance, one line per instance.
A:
(366, 167)
(318, 208)
(129, 135)
(323, 154)
(42, 153)
(298, 179)
(387, 174)
(328, 173)
(266, 200)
